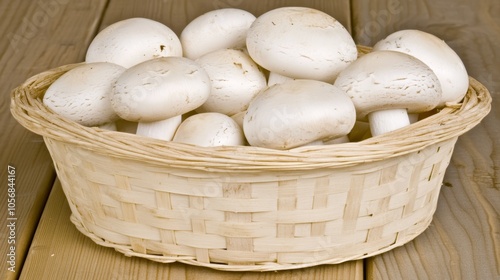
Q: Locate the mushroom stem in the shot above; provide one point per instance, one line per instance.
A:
(413, 117)
(387, 120)
(163, 130)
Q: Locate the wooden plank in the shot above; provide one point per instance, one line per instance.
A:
(34, 40)
(59, 251)
(462, 241)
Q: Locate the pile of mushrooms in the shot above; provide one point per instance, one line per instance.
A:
(289, 78)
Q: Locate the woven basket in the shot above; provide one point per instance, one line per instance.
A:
(249, 208)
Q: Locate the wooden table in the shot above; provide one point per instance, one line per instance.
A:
(463, 241)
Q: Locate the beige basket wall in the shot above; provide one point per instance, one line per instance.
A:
(251, 218)
(248, 208)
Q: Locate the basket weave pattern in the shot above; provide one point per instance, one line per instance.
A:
(251, 218)
(249, 208)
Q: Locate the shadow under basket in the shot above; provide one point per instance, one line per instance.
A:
(249, 208)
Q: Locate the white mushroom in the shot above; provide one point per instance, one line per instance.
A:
(162, 129)
(386, 86)
(235, 79)
(275, 78)
(300, 43)
(83, 93)
(298, 112)
(157, 92)
(131, 41)
(238, 118)
(438, 55)
(218, 29)
(209, 130)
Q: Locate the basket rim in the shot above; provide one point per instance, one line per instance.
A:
(451, 121)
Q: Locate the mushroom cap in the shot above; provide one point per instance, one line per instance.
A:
(159, 89)
(131, 41)
(438, 55)
(210, 129)
(301, 43)
(214, 30)
(83, 93)
(383, 80)
(297, 112)
(275, 78)
(235, 78)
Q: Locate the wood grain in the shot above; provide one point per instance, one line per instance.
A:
(463, 241)
(35, 39)
(59, 251)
